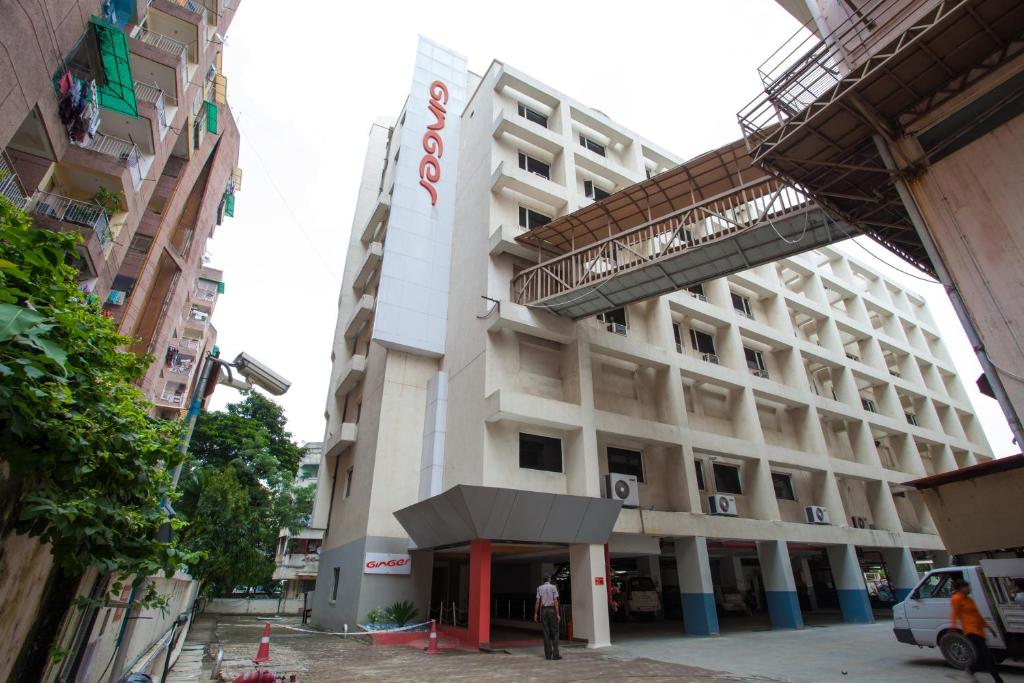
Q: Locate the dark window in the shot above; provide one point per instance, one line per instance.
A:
(698, 288)
(702, 342)
(624, 461)
(334, 584)
(595, 147)
(309, 471)
(616, 320)
(911, 418)
(530, 219)
(727, 479)
(540, 453)
(868, 405)
(649, 173)
(348, 481)
(698, 465)
(755, 361)
(140, 243)
(783, 484)
(593, 191)
(528, 163)
(531, 115)
(742, 304)
(678, 334)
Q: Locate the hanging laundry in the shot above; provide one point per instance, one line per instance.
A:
(65, 83)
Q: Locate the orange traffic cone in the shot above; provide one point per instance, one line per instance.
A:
(432, 645)
(263, 654)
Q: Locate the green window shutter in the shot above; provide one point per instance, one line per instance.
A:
(211, 117)
(118, 92)
(229, 205)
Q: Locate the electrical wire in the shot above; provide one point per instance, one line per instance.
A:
(853, 238)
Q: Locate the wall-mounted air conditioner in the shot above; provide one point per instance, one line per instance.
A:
(720, 504)
(623, 487)
(817, 515)
(859, 522)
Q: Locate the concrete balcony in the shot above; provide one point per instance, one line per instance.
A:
(375, 222)
(504, 405)
(515, 179)
(296, 566)
(363, 312)
(507, 123)
(519, 318)
(371, 263)
(601, 166)
(351, 376)
(503, 241)
(341, 439)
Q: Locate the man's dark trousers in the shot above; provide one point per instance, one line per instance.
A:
(549, 622)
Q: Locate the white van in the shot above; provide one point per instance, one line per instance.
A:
(923, 618)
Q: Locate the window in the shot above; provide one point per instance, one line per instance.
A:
(530, 219)
(616, 321)
(533, 115)
(938, 586)
(727, 478)
(528, 163)
(755, 361)
(348, 481)
(140, 243)
(868, 405)
(595, 147)
(593, 191)
(697, 290)
(625, 461)
(677, 332)
(540, 453)
(783, 484)
(742, 304)
(911, 418)
(698, 465)
(334, 583)
(704, 344)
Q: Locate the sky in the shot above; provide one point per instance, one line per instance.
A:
(305, 87)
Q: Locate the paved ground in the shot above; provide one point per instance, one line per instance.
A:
(648, 652)
(817, 654)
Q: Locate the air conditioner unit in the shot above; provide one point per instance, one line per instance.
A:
(623, 487)
(720, 504)
(859, 522)
(817, 515)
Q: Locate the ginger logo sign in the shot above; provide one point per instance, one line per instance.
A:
(383, 563)
(433, 145)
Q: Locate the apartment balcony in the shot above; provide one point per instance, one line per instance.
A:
(515, 179)
(173, 395)
(190, 344)
(351, 376)
(363, 312)
(507, 123)
(186, 22)
(296, 565)
(125, 154)
(164, 106)
(206, 295)
(760, 372)
(503, 241)
(370, 265)
(90, 216)
(344, 437)
(10, 185)
(375, 223)
(197, 321)
(619, 176)
(175, 48)
(518, 318)
(510, 406)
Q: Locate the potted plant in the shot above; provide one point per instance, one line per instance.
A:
(112, 202)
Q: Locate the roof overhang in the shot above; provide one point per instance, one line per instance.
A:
(466, 513)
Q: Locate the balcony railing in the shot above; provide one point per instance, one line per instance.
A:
(158, 98)
(172, 397)
(124, 150)
(708, 357)
(698, 296)
(159, 41)
(760, 372)
(189, 344)
(10, 185)
(205, 294)
(74, 211)
(618, 328)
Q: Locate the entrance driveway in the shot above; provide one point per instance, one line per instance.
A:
(816, 654)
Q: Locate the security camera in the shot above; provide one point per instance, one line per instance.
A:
(260, 375)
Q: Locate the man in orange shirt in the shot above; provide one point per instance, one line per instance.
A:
(966, 614)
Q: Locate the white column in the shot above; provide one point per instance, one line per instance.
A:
(695, 587)
(589, 596)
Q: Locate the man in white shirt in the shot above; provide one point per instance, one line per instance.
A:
(547, 610)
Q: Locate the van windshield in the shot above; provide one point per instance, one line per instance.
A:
(642, 583)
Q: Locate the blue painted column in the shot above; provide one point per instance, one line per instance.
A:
(849, 580)
(779, 584)
(695, 588)
(901, 570)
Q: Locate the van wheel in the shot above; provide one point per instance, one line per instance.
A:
(956, 649)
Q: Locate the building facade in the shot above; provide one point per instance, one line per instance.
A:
(298, 552)
(114, 124)
(472, 459)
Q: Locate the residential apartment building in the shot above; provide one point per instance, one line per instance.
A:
(114, 124)
(905, 117)
(298, 552)
(769, 419)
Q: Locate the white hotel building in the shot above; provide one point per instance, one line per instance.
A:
(490, 426)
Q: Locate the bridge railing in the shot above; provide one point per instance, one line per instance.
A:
(747, 206)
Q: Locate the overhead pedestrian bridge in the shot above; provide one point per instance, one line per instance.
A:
(712, 216)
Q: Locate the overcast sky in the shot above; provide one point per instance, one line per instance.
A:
(307, 80)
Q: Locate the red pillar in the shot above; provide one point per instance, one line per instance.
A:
(480, 591)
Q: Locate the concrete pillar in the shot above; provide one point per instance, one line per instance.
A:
(779, 584)
(883, 508)
(849, 580)
(901, 570)
(736, 564)
(589, 594)
(480, 591)
(695, 587)
(582, 472)
(651, 565)
(805, 569)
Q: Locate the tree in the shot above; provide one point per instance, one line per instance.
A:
(239, 491)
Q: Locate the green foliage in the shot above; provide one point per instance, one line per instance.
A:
(402, 612)
(111, 201)
(376, 615)
(239, 492)
(88, 466)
